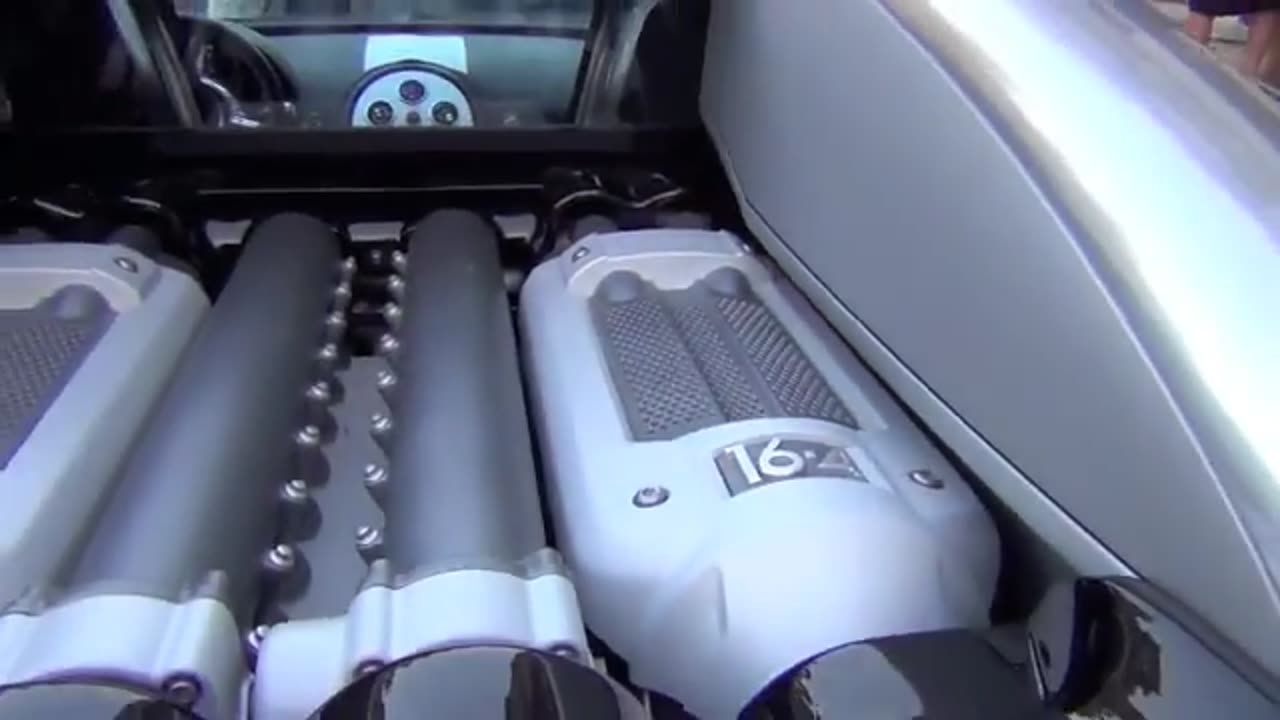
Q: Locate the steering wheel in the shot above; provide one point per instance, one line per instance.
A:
(143, 26)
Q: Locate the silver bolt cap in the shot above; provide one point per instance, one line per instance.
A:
(308, 436)
(380, 424)
(182, 690)
(281, 558)
(295, 491)
(388, 345)
(650, 496)
(927, 479)
(320, 392)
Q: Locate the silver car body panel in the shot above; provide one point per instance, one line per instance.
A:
(1052, 228)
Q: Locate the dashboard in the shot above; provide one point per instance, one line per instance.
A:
(367, 78)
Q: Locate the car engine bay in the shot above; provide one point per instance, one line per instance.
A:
(591, 359)
(374, 441)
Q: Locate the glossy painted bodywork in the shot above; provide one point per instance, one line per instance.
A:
(1051, 228)
(1106, 103)
(1112, 651)
(483, 682)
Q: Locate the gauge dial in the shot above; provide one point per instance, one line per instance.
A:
(381, 113)
(412, 92)
(444, 113)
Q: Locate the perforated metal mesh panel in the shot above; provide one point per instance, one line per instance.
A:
(40, 349)
(690, 359)
(665, 393)
(788, 374)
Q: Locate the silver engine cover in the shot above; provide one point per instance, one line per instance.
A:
(89, 336)
(733, 492)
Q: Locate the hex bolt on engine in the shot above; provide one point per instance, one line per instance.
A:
(375, 481)
(564, 650)
(335, 325)
(320, 392)
(319, 397)
(388, 346)
(308, 436)
(369, 543)
(253, 642)
(327, 359)
(926, 479)
(386, 381)
(285, 574)
(393, 314)
(395, 287)
(399, 261)
(299, 518)
(280, 559)
(380, 427)
(367, 667)
(295, 492)
(181, 690)
(342, 294)
(650, 497)
(347, 268)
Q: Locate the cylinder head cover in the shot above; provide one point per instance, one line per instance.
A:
(733, 492)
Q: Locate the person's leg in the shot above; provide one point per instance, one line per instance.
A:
(1263, 31)
(1199, 26)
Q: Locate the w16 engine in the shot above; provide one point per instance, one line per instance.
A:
(733, 492)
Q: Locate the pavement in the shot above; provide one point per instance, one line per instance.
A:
(1228, 32)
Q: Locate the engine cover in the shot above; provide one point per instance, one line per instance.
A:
(89, 336)
(732, 490)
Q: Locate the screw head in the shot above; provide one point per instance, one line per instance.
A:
(388, 344)
(308, 436)
(399, 260)
(182, 690)
(328, 353)
(380, 423)
(926, 479)
(335, 319)
(253, 639)
(395, 285)
(281, 558)
(374, 474)
(348, 266)
(392, 312)
(652, 496)
(564, 650)
(295, 491)
(367, 667)
(126, 264)
(367, 537)
(386, 380)
(580, 253)
(320, 392)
